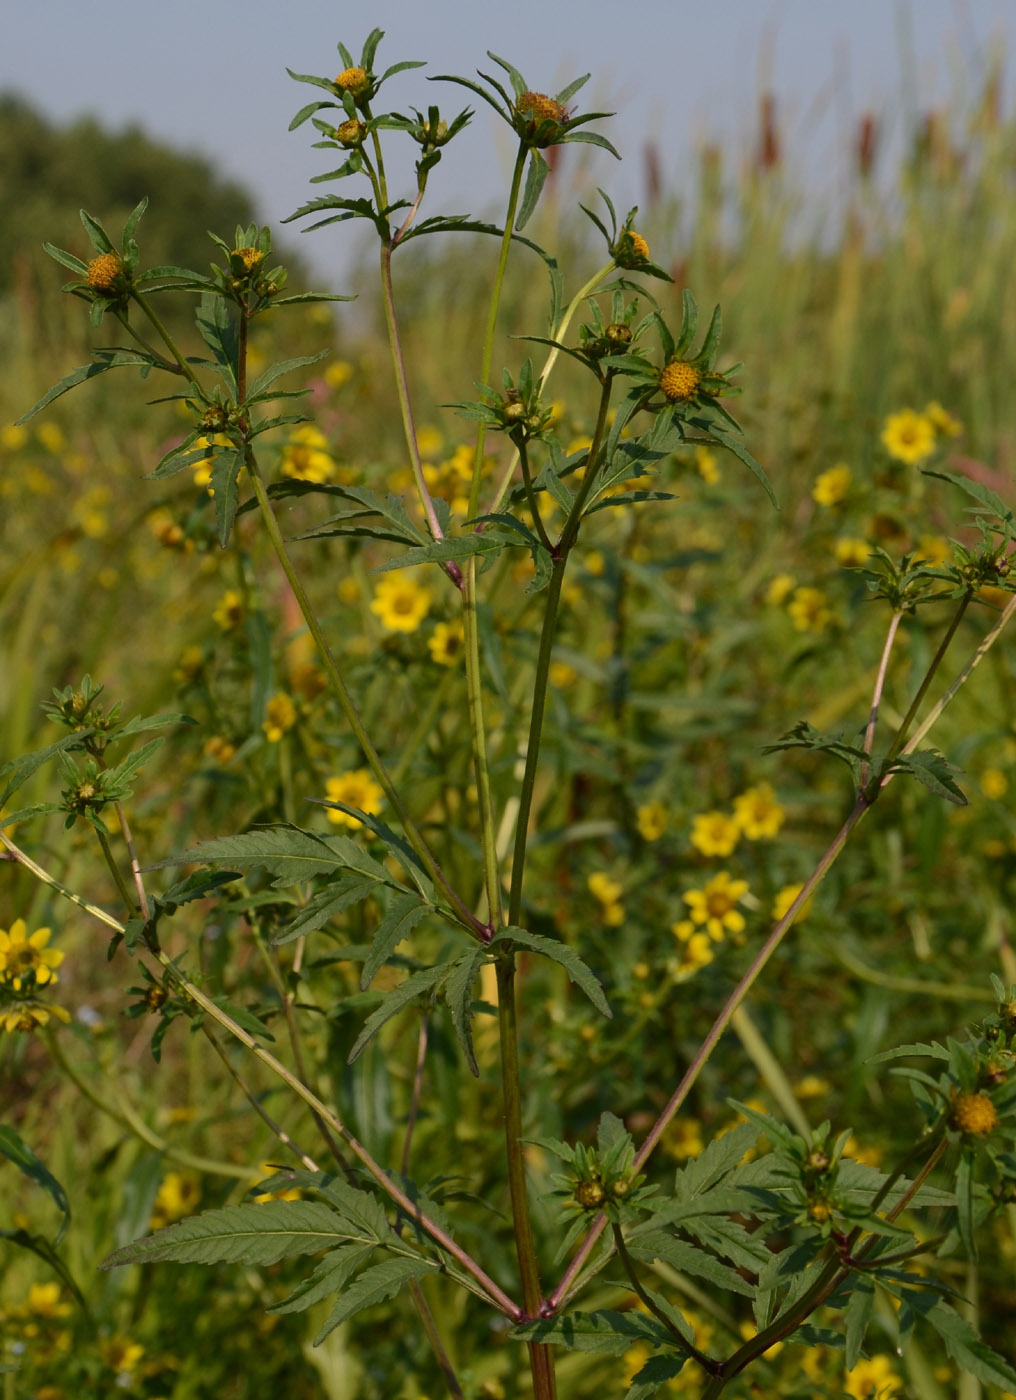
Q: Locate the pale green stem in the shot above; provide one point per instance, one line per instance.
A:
(770, 1069)
(478, 729)
(922, 689)
(505, 483)
(170, 344)
(54, 884)
(353, 719)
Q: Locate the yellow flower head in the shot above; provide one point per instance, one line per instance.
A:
(832, 486)
(706, 465)
(280, 716)
(446, 641)
(603, 888)
(305, 457)
(780, 589)
(934, 550)
(351, 133)
(758, 813)
(974, 1114)
(25, 961)
(696, 953)
(908, 437)
(942, 420)
(228, 611)
(872, 1379)
(784, 898)
(400, 603)
(28, 1015)
(851, 552)
(338, 374)
(809, 611)
(652, 820)
(683, 1139)
(715, 905)
(355, 81)
(121, 1355)
(532, 109)
(250, 257)
(105, 274)
(178, 1195)
(714, 833)
(356, 789)
(44, 1301)
(994, 783)
(679, 381)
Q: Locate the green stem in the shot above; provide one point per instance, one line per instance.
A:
(523, 451)
(345, 700)
(436, 1340)
(487, 353)
(169, 342)
(114, 870)
(922, 689)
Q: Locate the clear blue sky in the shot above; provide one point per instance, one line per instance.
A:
(210, 74)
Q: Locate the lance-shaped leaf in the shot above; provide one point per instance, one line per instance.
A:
(459, 996)
(604, 1331)
(247, 1234)
(19, 770)
(404, 913)
(105, 360)
(328, 1278)
(393, 1003)
(16, 1150)
(578, 971)
(287, 853)
(374, 1286)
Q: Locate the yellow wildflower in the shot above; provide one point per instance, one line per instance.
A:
(13, 437)
(974, 1114)
(189, 667)
(401, 604)
(24, 957)
(706, 465)
(603, 888)
(780, 589)
(446, 642)
(832, 486)
(279, 718)
(784, 899)
(429, 441)
(679, 381)
(809, 611)
(994, 783)
(714, 833)
(696, 953)
(177, 1196)
(757, 813)
(44, 1301)
(562, 675)
(51, 435)
(355, 81)
(202, 468)
(306, 458)
(356, 789)
(683, 1139)
(121, 1355)
(338, 374)
(872, 1379)
(228, 612)
(651, 818)
(715, 905)
(27, 1014)
(934, 550)
(812, 1086)
(594, 563)
(851, 552)
(942, 420)
(908, 437)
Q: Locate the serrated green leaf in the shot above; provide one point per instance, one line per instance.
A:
(967, 1350)
(119, 359)
(404, 913)
(276, 371)
(248, 1234)
(224, 483)
(288, 853)
(16, 1150)
(653, 1375)
(218, 330)
(656, 1244)
(721, 1156)
(329, 1277)
(459, 998)
(394, 1002)
(19, 770)
(578, 972)
(931, 1049)
(336, 896)
(374, 1286)
(935, 771)
(857, 1316)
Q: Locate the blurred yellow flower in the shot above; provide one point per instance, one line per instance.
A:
(749, 1330)
(202, 468)
(280, 716)
(26, 1014)
(446, 642)
(356, 789)
(714, 833)
(305, 456)
(994, 783)
(872, 1379)
(177, 1196)
(603, 888)
(228, 612)
(401, 604)
(562, 675)
(189, 666)
(780, 589)
(851, 552)
(13, 437)
(757, 813)
(651, 819)
(707, 466)
(697, 952)
(832, 486)
(934, 550)
(812, 1086)
(908, 437)
(121, 1355)
(784, 899)
(683, 1138)
(942, 420)
(44, 1300)
(809, 611)
(338, 373)
(715, 905)
(51, 436)
(429, 441)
